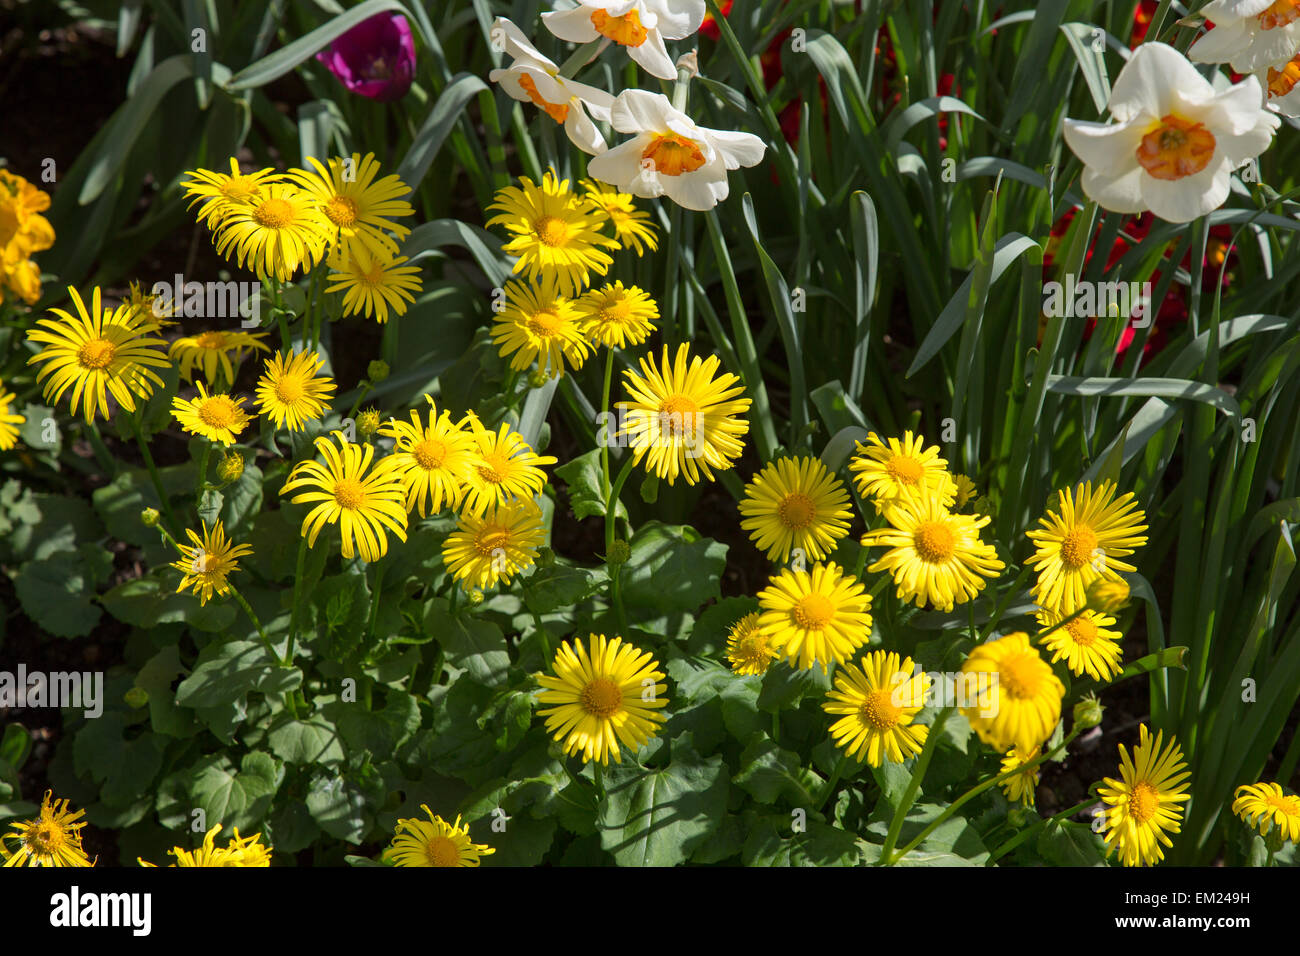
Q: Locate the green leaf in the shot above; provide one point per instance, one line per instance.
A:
(476, 645)
(771, 773)
(224, 673)
(234, 798)
(813, 844)
(56, 592)
(313, 740)
(126, 768)
(583, 477)
(1071, 844)
(433, 131)
(559, 586)
(1145, 386)
(341, 805)
(146, 603)
(658, 817)
(60, 524)
(379, 732)
(672, 569)
(156, 678)
(15, 745)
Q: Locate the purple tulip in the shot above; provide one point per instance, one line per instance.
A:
(375, 59)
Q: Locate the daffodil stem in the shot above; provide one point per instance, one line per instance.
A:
(918, 774)
(1029, 831)
(297, 599)
(604, 417)
(976, 790)
(682, 91)
(172, 523)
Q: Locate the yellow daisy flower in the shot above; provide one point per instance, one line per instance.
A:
(1011, 697)
(605, 695)
(207, 564)
(52, 839)
(935, 557)
(749, 649)
(494, 546)
(211, 351)
(1084, 542)
(216, 417)
(149, 309)
(434, 842)
(363, 501)
(505, 466)
(818, 616)
(278, 231)
(1146, 803)
(1264, 805)
(553, 232)
(243, 852)
(1085, 643)
(358, 207)
(964, 490)
(631, 225)
(540, 325)
(901, 470)
(616, 316)
(436, 459)
(221, 194)
(1021, 787)
(9, 421)
(795, 503)
(878, 701)
(371, 285)
(683, 420)
(291, 392)
(96, 353)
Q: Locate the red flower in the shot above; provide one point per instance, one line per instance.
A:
(710, 26)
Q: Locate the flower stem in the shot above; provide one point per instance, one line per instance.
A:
(918, 774)
(831, 784)
(611, 502)
(203, 473)
(582, 56)
(604, 417)
(172, 524)
(298, 575)
(1027, 832)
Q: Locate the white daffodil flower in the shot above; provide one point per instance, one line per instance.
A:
(1251, 35)
(639, 25)
(1282, 84)
(1175, 141)
(533, 78)
(668, 155)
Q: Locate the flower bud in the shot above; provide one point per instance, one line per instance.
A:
(538, 379)
(367, 423)
(1087, 712)
(1108, 595)
(230, 467)
(1016, 817)
(620, 552)
(475, 597)
(149, 516)
(136, 697)
(377, 371)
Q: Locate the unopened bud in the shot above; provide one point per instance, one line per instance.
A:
(475, 597)
(1087, 712)
(1108, 595)
(377, 371)
(620, 552)
(1016, 817)
(538, 379)
(367, 423)
(230, 467)
(136, 697)
(149, 516)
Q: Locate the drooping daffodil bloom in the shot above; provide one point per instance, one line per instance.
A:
(639, 26)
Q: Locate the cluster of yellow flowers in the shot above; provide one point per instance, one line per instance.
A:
(342, 215)
(23, 233)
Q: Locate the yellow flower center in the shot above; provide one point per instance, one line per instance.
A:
(238, 188)
(429, 454)
(601, 698)
(814, 611)
(493, 468)
(349, 493)
(905, 470)
(1288, 806)
(879, 711)
(796, 511)
(1283, 81)
(1280, 14)
(545, 323)
(615, 313)
(1083, 631)
(752, 650)
(556, 111)
(289, 390)
(934, 541)
(672, 155)
(1020, 675)
(45, 837)
(210, 340)
(1175, 148)
(1144, 802)
(491, 539)
(1077, 546)
(678, 415)
(552, 231)
(626, 30)
(444, 852)
(218, 412)
(341, 210)
(274, 214)
(96, 353)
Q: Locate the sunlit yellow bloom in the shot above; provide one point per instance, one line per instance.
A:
(240, 851)
(434, 842)
(1011, 697)
(749, 649)
(540, 325)
(496, 545)
(278, 231)
(815, 617)
(1265, 805)
(208, 562)
(631, 225)
(291, 392)
(1021, 787)
(1085, 643)
(372, 285)
(1147, 803)
(605, 696)
(617, 316)
(358, 207)
(52, 839)
(217, 417)
(901, 470)
(878, 701)
(212, 351)
(436, 459)
(795, 504)
(9, 420)
(505, 466)
(221, 194)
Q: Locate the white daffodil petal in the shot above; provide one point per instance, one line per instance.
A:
(738, 149)
(652, 56)
(637, 110)
(573, 25)
(518, 46)
(1182, 200)
(1108, 149)
(582, 131)
(1116, 193)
